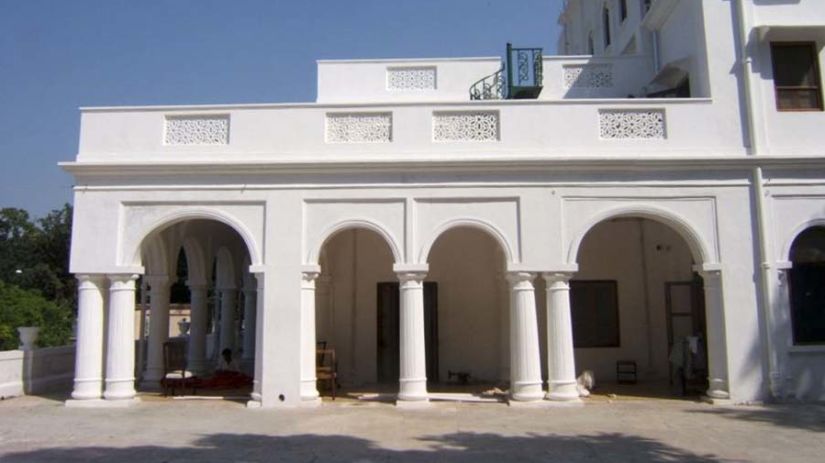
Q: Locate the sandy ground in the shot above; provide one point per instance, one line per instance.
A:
(41, 429)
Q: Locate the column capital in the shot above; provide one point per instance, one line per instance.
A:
(122, 281)
(89, 280)
(411, 277)
(557, 277)
(516, 278)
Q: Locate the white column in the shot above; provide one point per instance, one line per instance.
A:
(120, 341)
(158, 327)
(88, 376)
(309, 389)
(413, 358)
(717, 345)
(229, 299)
(561, 361)
(199, 315)
(249, 303)
(525, 361)
(256, 397)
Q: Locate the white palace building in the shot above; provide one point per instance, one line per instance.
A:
(650, 203)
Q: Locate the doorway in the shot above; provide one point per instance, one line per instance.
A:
(388, 328)
(686, 335)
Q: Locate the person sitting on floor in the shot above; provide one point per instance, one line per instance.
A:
(227, 375)
(227, 363)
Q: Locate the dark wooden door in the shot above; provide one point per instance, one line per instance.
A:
(388, 321)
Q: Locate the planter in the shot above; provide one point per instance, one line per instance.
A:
(28, 336)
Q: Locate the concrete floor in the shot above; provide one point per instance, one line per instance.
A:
(41, 429)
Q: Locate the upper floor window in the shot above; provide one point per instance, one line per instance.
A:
(606, 26)
(796, 76)
(622, 10)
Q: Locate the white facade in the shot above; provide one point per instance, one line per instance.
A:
(394, 175)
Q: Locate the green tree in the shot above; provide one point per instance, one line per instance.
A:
(21, 307)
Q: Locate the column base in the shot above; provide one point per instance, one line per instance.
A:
(253, 404)
(124, 392)
(101, 403)
(91, 389)
(151, 385)
(526, 391)
(413, 404)
(716, 400)
(563, 391)
(309, 390)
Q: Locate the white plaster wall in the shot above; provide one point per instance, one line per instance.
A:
(789, 13)
(787, 132)
(366, 80)
(683, 37)
(615, 250)
(468, 269)
(356, 261)
(36, 371)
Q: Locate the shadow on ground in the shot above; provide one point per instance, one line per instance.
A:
(810, 417)
(461, 447)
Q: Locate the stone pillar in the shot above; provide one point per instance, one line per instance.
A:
(229, 300)
(309, 389)
(249, 303)
(717, 344)
(525, 361)
(88, 376)
(561, 361)
(120, 341)
(199, 317)
(413, 357)
(158, 327)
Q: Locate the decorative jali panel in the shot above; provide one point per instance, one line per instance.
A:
(635, 124)
(359, 127)
(411, 78)
(466, 126)
(196, 130)
(588, 76)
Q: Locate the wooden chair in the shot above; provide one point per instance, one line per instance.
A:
(175, 372)
(326, 369)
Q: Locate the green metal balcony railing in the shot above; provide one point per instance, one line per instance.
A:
(520, 77)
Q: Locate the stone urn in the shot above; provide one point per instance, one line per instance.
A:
(28, 336)
(183, 326)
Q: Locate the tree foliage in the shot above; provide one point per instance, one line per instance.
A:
(34, 271)
(21, 307)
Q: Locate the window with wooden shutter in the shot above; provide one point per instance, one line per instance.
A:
(796, 76)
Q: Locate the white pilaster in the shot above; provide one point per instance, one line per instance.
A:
(229, 299)
(561, 361)
(249, 304)
(88, 377)
(309, 388)
(525, 361)
(120, 341)
(199, 315)
(256, 396)
(413, 358)
(717, 344)
(158, 327)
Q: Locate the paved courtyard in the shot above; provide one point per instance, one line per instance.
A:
(39, 429)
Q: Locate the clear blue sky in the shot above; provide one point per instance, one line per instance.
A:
(57, 55)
